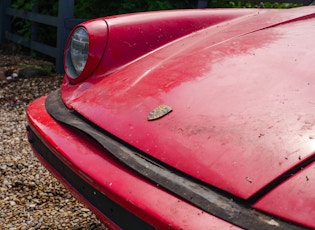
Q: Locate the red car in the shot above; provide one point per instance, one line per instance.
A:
(187, 119)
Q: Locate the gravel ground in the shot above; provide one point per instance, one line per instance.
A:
(30, 198)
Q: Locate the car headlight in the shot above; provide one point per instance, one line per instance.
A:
(84, 50)
(77, 52)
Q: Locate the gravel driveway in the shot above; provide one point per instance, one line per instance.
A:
(30, 198)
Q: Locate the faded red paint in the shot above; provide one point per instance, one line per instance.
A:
(238, 106)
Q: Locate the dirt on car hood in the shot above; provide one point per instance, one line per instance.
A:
(242, 100)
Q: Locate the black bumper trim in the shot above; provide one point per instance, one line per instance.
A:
(209, 199)
(120, 216)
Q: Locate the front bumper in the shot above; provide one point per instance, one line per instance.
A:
(118, 196)
(83, 189)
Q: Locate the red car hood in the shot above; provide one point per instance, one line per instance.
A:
(242, 95)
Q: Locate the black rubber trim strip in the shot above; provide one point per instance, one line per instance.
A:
(120, 216)
(164, 176)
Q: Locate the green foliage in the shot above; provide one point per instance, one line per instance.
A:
(148, 5)
(48, 7)
(22, 26)
(23, 5)
(44, 33)
(99, 8)
(250, 4)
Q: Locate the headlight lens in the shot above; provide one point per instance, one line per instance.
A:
(78, 50)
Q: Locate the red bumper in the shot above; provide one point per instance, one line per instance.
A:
(114, 193)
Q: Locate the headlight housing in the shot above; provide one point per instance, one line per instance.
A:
(84, 49)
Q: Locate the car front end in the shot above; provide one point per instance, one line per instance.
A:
(186, 119)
